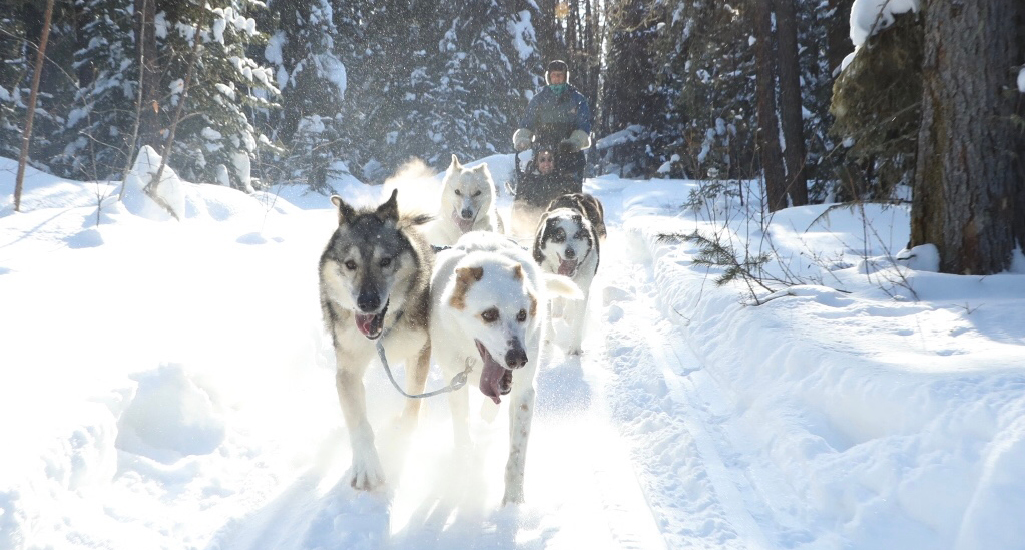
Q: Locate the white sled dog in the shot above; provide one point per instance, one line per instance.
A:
(567, 242)
(374, 277)
(467, 204)
(489, 310)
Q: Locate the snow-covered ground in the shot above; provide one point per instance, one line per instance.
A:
(169, 384)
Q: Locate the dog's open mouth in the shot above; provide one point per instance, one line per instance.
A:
(465, 225)
(495, 380)
(567, 267)
(371, 325)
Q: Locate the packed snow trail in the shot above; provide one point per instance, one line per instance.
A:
(581, 488)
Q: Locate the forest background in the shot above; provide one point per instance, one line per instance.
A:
(250, 93)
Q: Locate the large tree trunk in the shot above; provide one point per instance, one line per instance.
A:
(791, 105)
(969, 194)
(769, 147)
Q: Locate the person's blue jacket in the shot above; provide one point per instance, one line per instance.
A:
(553, 118)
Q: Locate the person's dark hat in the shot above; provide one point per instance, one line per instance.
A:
(556, 65)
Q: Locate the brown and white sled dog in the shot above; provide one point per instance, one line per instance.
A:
(467, 204)
(489, 310)
(374, 285)
(567, 242)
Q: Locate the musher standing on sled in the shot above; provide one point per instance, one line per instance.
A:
(559, 118)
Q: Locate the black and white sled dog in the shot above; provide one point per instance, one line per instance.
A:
(567, 242)
(374, 285)
(467, 204)
(489, 304)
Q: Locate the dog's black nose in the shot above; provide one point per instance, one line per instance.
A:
(516, 358)
(369, 301)
(570, 253)
(466, 213)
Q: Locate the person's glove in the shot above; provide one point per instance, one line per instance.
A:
(522, 139)
(567, 146)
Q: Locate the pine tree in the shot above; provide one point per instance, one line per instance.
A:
(13, 74)
(313, 81)
(96, 131)
(217, 140)
(485, 61)
(630, 97)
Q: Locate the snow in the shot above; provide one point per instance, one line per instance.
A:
(169, 384)
(871, 16)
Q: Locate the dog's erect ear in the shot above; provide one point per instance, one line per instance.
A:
(465, 277)
(542, 225)
(455, 162)
(345, 212)
(390, 209)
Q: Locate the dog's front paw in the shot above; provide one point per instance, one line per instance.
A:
(366, 473)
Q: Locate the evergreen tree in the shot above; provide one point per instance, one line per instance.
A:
(486, 62)
(630, 97)
(216, 141)
(312, 80)
(98, 126)
(14, 72)
(20, 29)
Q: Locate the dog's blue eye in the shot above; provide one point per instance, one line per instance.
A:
(385, 262)
(522, 315)
(350, 265)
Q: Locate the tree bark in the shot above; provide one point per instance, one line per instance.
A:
(969, 192)
(26, 136)
(791, 104)
(838, 34)
(769, 147)
(149, 124)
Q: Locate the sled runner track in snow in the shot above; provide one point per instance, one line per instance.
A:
(669, 409)
(671, 354)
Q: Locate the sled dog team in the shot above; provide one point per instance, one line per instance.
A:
(482, 303)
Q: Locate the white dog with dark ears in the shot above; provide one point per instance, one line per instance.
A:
(567, 242)
(467, 204)
(489, 304)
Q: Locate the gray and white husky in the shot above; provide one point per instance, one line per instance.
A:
(374, 284)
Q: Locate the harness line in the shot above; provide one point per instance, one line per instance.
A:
(458, 381)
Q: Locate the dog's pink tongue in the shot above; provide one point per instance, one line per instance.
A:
(491, 376)
(365, 323)
(567, 267)
(464, 225)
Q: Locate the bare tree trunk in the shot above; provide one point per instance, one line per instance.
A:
(26, 136)
(970, 178)
(149, 123)
(141, 34)
(769, 147)
(791, 104)
(150, 188)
